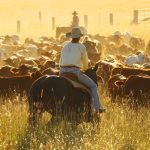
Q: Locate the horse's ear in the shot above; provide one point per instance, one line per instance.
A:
(96, 67)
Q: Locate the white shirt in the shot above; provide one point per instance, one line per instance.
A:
(74, 54)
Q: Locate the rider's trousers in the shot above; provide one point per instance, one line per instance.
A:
(88, 82)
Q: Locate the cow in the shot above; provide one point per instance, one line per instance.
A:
(146, 65)
(137, 88)
(6, 71)
(2, 53)
(102, 39)
(120, 58)
(29, 61)
(115, 86)
(92, 50)
(13, 61)
(137, 43)
(22, 70)
(56, 47)
(19, 85)
(117, 39)
(124, 49)
(49, 64)
(15, 39)
(106, 67)
(47, 53)
(128, 71)
(148, 48)
(139, 58)
(127, 36)
(29, 50)
(131, 59)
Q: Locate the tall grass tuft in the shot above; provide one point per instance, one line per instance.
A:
(121, 128)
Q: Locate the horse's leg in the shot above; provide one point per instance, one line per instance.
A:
(35, 113)
(56, 115)
(32, 115)
(36, 101)
(96, 119)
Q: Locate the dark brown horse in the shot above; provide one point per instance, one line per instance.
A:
(59, 97)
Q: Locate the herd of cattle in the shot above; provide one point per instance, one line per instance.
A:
(123, 59)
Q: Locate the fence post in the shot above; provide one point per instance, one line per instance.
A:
(135, 16)
(53, 23)
(18, 26)
(111, 19)
(86, 21)
(99, 19)
(40, 16)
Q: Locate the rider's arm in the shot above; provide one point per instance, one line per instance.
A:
(60, 60)
(84, 59)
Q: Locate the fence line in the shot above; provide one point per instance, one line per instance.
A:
(111, 19)
(18, 26)
(53, 24)
(138, 15)
(86, 21)
(141, 15)
(40, 16)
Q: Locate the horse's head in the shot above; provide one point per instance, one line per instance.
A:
(91, 72)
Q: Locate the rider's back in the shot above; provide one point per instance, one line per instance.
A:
(73, 54)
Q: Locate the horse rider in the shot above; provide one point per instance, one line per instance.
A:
(75, 19)
(73, 57)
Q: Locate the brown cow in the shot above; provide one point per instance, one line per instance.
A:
(92, 50)
(19, 84)
(130, 71)
(115, 84)
(12, 61)
(6, 71)
(56, 47)
(105, 68)
(49, 64)
(148, 48)
(22, 70)
(138, 88)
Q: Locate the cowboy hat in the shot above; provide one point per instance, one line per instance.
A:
(75, 33)
(74, 13)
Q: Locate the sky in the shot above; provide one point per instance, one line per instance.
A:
(27, 11)
(13, 9)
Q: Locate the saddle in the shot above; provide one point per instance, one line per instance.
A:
(73, 79)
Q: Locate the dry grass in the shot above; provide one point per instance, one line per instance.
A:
(121, 129)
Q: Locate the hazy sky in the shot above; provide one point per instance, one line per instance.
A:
(28, 9)
(27, 12)
(81, 5)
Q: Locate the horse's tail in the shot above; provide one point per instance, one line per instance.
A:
(35, 92)
(34, 99)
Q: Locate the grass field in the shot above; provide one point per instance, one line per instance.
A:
(121, 128)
